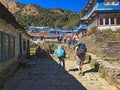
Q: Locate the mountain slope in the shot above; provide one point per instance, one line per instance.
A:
(31, 14)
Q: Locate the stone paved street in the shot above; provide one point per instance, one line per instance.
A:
(43, 74)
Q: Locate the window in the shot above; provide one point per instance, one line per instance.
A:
(106, 21)
(6, 47)
(110, 2)
(112, 20)
(0, 46)
(101, 21)
(12, 46)
(24, 45)
(118, 20)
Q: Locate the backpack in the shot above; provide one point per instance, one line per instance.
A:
(60, 37)
(81, 50)
(74, 38)
(60, 52)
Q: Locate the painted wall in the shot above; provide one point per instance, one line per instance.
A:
(94, 23)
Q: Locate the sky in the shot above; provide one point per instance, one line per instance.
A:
(73, 5)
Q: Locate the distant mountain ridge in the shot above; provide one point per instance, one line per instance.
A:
(34, 15)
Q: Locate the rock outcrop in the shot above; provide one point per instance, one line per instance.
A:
(30, 10)
(13, 7)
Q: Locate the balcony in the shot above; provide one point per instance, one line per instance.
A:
(89, 13)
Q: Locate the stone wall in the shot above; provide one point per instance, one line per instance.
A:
(105, 45)
(107, 70)
(104, 49)
(7, 69)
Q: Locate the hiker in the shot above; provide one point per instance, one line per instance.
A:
(38, 52)
(80, 51)
(65, 38)
(60, 38)
(60, 53)
(69, 42)
(74, 39)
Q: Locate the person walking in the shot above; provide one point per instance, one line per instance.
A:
(38, 52)
(80, 51)
(69, 42)
(60, 38)
(60, 53)
(65, 38)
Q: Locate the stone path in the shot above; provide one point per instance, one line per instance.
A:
(43, 75)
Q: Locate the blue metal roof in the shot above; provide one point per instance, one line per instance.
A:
(57, 28)
(46, 27)
(83, 27)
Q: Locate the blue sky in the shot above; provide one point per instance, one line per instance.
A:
(73, 5)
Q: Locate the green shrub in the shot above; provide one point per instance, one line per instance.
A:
(107, 30)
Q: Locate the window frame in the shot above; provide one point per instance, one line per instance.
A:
(102, 21)
(112, 18)
(5, 37)
(24, 45)
(118, 20)
(0, 46)
(111, 2)
(111, 21)
(2, 42)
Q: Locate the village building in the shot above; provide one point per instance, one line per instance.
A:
(102, 14)
(14, 44)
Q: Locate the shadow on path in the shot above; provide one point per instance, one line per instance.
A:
(91, 70)
(74, 69)
(41, 75)
(95, 69)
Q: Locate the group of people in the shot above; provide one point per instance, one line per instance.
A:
(79, 55)
(70, 40)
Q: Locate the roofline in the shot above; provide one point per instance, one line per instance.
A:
(87, 4)
(8, 17)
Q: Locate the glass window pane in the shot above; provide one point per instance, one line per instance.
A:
(6, 47)
(112, 20)
(12, 46)
(118, 20)
(101, 21)
(115, 2)
(0, 46)
(106, 21)
(111, 2)
(24, 45)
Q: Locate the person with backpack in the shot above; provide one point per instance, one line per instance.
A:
(60, 53)
(69, 42)
(80, 51)
(60, 38)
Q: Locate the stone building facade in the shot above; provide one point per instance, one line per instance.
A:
(14, 44)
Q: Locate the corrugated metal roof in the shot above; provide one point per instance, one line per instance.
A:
(43, 35)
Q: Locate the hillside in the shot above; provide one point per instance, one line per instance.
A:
(31, 14)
